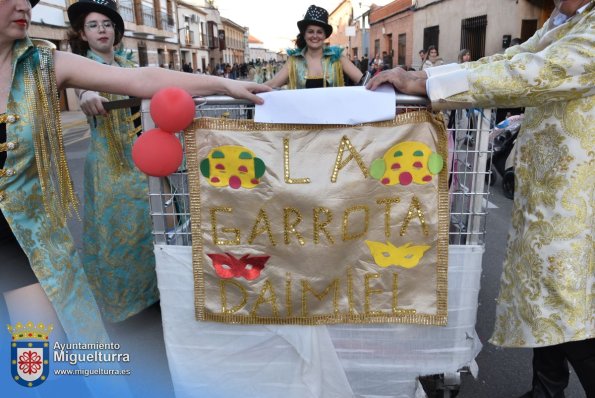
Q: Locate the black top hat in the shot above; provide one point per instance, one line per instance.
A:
(316, 16)
(109, 8)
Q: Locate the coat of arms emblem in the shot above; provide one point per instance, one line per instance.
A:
(29, 353)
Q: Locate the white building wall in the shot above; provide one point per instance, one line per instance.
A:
(504, 17)
(50, 12)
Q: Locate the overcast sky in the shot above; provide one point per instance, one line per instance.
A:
(271, 21)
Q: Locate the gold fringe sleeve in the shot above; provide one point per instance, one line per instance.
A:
(41, 90)
(292, 74)
(338, 71)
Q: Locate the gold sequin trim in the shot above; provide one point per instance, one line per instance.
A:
(8, 146)
(134, 133)
(7, 173)
(244, 125)
(189, 139)
(9, 118)
(133, 117)
(111, 130)
(41, 88)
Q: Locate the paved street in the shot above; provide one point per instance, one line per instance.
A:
(502, 372)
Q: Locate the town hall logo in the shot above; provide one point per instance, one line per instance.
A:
(29, 353)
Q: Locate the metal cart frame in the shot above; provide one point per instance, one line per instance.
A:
(469, 189)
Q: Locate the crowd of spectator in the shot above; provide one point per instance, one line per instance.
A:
(258, 71)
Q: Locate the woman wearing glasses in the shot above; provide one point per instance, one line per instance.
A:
(117, 241)
(41, 275)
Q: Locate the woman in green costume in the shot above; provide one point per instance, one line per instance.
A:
(41, 274)
(313, 64)
(117, 241)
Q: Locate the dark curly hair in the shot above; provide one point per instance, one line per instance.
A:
(74, 37)
(300, 42)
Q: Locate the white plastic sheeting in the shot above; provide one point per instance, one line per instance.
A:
(217, 360)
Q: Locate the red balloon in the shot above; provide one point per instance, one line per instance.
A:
(172, 109)
(157, 153)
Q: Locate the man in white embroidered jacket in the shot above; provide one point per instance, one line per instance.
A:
(547, 293)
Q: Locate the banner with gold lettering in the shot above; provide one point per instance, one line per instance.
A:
(317, 224)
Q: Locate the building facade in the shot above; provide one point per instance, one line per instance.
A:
(257, 50)
(351, 27)
(151, 31)
(194, 51)
(234, 44)
(484, 27)
(391, 33)
(341, 19)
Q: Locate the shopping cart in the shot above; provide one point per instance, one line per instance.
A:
(380, 360)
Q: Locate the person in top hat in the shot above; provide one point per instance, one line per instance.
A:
(41, 275)
(117, 251)
(546, 299)
(313, 64)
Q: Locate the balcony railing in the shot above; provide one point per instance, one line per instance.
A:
(189, 37)
(213, 42)
(167, 22)
(127, 11)
(148, 16)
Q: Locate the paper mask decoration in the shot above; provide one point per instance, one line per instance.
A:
(233, 166)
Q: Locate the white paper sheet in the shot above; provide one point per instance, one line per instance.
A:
(350, 105)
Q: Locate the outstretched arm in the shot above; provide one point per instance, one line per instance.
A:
(351, 70)
(280, 79)
(79, 72)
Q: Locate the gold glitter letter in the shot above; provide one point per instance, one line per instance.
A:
(388, 202)
(350, 290)
(222, 287)
(321, 225)
(235, 231)
(288, 302)
(288, 179)
(340, 162)
(261, 299)
(346, 213)
(290, 227)
(414, 210)
(395, 293)
(320, 296)
(368, 291)
(262, 215)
